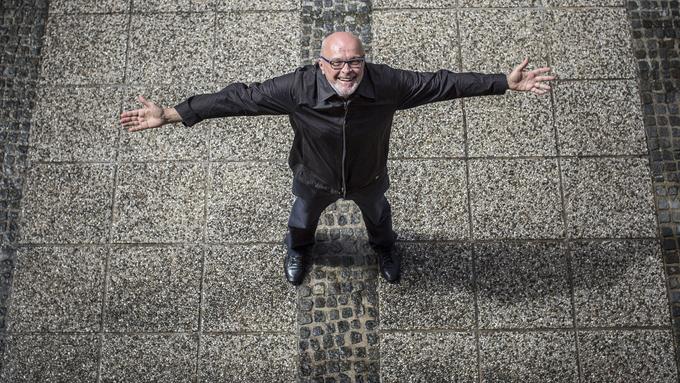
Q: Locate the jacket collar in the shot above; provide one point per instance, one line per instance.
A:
(325, 91)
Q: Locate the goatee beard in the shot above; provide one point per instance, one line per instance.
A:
(345, 93)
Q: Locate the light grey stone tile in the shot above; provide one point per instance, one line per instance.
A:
(599, 118)
(497, 40)
(428, 357)
(248, 201)
(75, 124)
(265, 5)
(428, 199)
(535, 357)
(251, 138)
(170, 48)
(171, 142)
(245, 290)
(516, 124)
(85, 49)
(160, 202)
(173, 5)
(608, 198)
(591, 43)
(417, 40)
(619, 283)
(153, 289)
(50, 358)
(255, 46)
(584, 3)
(378, 4)
(499, 3)
(57, 289)
(642, 356)
(434, 130)
(87, 6)
(435, 290)
(149, 358)
(67, 203)
(523, 285)
(518, 198)
(248, 358)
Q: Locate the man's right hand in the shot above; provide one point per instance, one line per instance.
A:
(150, 116)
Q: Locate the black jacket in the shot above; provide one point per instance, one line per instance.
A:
(340, 146)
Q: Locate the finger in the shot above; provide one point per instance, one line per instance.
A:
(144, 101)
(128, 119)
(130, 113)
(545, 78)
(522, 65)
(542, 70)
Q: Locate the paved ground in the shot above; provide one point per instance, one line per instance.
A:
(535, 231)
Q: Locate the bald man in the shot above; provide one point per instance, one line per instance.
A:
(341, 111)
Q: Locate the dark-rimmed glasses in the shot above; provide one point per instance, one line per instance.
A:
(339, 64)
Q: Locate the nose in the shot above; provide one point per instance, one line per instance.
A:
(346, 68)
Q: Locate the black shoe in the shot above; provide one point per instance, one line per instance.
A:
(294, 267)
(390, 265)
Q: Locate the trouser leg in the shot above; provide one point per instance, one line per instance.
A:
(377, 215)
(303, 220)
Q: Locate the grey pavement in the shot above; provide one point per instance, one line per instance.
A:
(529, 226)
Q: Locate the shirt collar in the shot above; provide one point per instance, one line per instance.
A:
(326, 91)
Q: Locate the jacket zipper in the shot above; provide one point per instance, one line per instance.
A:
(344, 150)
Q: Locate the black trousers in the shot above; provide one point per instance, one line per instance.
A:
(311, 202)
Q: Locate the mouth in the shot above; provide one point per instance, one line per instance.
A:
(348, 79)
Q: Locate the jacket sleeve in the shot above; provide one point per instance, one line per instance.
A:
(273, 96)
(418, 88)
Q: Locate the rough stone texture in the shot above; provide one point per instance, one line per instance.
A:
(516, 124)
(608, 198)
(619, 283)
(523, 285)
(257, 5)
(185, 55)
(87, 6)
(428, 357)
(515, 199)
(172, 5)
(434, 130)
(159, 202)
(85, 49)
(247, 358)
(428, 199)
(378, 4)
(535, 357)
(57, 289)
(248, 201)
(149, 358)
(67, 203)
(599, 118)
(153, 289)
(633, 356)
(435, 292)
(499, 3)
(50, 358)
(244, 289)
(251, 138)
(583, 3)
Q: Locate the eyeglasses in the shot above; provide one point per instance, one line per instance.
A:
(339, 64)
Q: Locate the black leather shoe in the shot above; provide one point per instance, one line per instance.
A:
(390, 265)
(294, 267)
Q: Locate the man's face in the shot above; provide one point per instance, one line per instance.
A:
(342, 47)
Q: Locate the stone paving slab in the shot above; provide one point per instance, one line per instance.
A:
(257, 5)
(172, 5)
(247, 358)
(619, 283)
(515, 124)
(642, 356)
(608, 198)
(85, 49)
(428, 357)
(258, 138)
(67, 203)
(87, 6)
(149, 358)
(428, 199)
(523, 285)
(436, 289)
(378, 4)
(584, 3)
(244, 290)
(159, 202)
(415, 39)
(75, 124)
(499, 3)
(533, 357)
(518, 198)
(599, 118)
(153, 289)
(50, 358)
(185, 55)
(57, 289)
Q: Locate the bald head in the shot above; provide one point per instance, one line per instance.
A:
(342, 62)
(341, 43)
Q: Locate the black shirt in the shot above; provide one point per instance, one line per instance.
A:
(340, 145)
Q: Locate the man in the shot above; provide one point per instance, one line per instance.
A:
(341, 111)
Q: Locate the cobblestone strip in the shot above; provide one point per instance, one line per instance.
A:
(21, 31)
(656, 44)
(338, 301)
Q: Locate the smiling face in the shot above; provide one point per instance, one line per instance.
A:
(342, 46)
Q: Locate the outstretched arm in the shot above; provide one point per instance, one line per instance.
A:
(531, 81)
(149, 116)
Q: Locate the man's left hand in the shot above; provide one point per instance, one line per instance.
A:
(532, 81)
